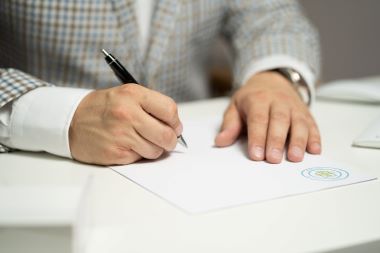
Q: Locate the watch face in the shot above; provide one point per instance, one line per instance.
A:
(294, 76)
(298, 83)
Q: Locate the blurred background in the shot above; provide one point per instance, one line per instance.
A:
(350, 36)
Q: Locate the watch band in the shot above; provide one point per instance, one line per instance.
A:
(298, 83)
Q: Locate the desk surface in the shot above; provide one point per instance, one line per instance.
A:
(116, 215)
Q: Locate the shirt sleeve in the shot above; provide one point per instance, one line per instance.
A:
(13, 84)
(40, 120)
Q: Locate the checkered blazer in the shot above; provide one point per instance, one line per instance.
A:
(58, 42)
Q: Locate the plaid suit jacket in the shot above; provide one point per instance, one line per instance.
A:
(58, 42)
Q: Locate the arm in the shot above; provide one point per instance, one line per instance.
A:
(35, 115)
(113, 126)
(270, 34)
(39, 120)
(267, 35)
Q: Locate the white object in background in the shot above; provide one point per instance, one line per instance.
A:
(39, 205)
(370, 137)
(204, 178)
(356, 90)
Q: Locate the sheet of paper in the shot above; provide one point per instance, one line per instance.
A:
(204, 178)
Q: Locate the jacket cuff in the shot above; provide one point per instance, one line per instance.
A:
(15, 83)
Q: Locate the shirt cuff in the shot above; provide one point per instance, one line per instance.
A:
(282, 61)
(41, 118)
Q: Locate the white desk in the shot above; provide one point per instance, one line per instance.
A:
(116, 215)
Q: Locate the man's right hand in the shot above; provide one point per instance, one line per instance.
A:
(121, 125)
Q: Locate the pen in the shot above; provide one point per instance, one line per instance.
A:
(125, 77)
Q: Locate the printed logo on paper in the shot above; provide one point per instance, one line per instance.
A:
(325, 174)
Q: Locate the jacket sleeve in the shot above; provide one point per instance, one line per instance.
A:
(270, 28)
(13, 84)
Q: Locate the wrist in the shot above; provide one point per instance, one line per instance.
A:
(282, 77)
(268, 77)
(298, 83)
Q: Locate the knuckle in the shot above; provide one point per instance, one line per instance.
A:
(261, 95)
(260, 118)
(130, 89)
(280, 116)
(120, 153)
(130, 92)
(120, 113)
(248, 100)
(111, 94)
(300, 119)
(283, 96)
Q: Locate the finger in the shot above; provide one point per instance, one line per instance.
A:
(113, 155)
(155, 131)
(314, 141)
(231, 127)
(163, 108)
(299, 134)
(126, 157)
(257, 126)
(279, 122)
(145, 148)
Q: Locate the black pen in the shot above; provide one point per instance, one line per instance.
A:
(125, 77)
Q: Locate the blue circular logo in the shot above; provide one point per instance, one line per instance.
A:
(325, 174)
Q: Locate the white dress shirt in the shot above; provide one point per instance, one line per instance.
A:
(40, 119)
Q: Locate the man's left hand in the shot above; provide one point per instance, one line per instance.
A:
(274, 115)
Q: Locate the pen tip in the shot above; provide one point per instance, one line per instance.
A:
(105, 52)
(182, 141)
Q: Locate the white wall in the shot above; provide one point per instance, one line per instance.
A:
(350, 36)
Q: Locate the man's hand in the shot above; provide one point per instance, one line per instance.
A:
(123, 124)
(272, 112)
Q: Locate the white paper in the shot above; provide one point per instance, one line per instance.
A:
(204, 178)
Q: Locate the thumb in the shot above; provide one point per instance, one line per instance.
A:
(231, 127)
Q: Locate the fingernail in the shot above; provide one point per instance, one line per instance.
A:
(276, 153)
(296, 151)
(316, 147)
(257, 152)
(179, 129)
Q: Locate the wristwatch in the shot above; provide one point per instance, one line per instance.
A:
(298, 83)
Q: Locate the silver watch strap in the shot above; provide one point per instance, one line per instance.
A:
(298, 83)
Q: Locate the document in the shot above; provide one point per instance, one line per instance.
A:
(204, 178)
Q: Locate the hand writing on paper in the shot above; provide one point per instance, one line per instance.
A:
(123, 124)
(272, 111)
